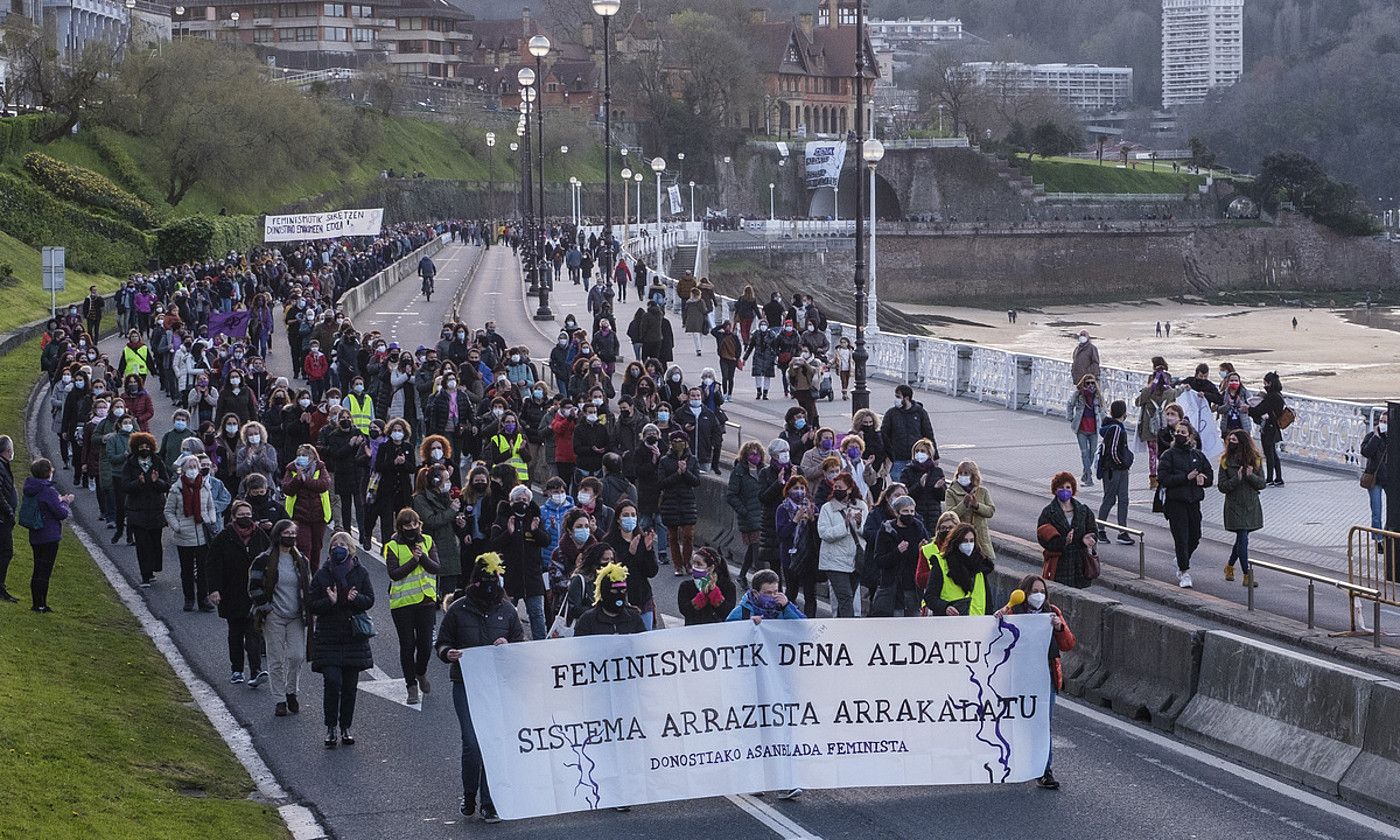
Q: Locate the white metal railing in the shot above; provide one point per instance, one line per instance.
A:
(1325, 432)
(927, 143)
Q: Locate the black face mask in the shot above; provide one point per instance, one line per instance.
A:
(256, 498)
(479, 486)
(410, 535)
(1183, 441)
(616, 599)
(520, 507)
(486, 591)
(288, 542)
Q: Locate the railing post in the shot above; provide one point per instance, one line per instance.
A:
(1142, 559)
(1312, 611)
(1376, 621)
(1249, 595)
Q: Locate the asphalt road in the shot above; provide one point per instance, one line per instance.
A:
(401, 779)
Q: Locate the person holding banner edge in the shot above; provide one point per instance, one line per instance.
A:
(1061, 640)
(476, 616)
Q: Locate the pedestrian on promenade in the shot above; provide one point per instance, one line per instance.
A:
(903, 425)
(762, 346)
(231, 556)
(677, 476)
(695, 315)
(42, 512)
(925, 483)
(9, 508)
(896, 556)
(744, 496)
(1240, 480)
(190, 514)
(1374, 475)
(1183, 474)
(1086, 359)
(839, 525)
(306, 483)
(1268, 413)
(1067, 535)
(957, 582)
(477, 616)
(969, 498)
(1115, 463)
(1085, 412)
(412, 560)
(1061, 641)
(340, 596)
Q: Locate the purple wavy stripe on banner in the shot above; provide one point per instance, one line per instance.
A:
(1001, 744)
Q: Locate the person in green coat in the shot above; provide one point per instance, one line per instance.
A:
(444, 521)
(116, 445)
(1240, 480)
(170, 442)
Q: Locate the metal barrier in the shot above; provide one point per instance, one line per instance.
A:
(1352, 592)
(738, 436)
(1141, 543)
(1372, 568)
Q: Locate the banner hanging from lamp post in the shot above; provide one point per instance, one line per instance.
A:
(674, 193)
(823, 161)
(299, 226)
(607, 721)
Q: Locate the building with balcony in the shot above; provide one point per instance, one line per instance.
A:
(1202, 48)
(430, 39)
(571, 77)
(298, 35)
(912, 35)
(1086, 87)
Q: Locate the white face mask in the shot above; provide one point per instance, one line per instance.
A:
(784, 457)
(965, 480)
(192, 473)
(1383, 427)
(254, 440)
(557, 498)
(1084, 339)
(1036, 600)
(921, 457)
(967, 548)
(584, 497)
(437, 454)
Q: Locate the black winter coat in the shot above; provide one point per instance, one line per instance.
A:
(333, 642)
(641, 567)
(587, 436)
(229, 561)
(679, 505)
(467, 625)
(338, 455)
(145, 500)
(1172, 469)
(770, 494)
(642, 467)
(921, 481)
(897, 568)
(685, 597)
(743, 497)
(598, 622)
(395, 480)
(903, 427)
(520, 549)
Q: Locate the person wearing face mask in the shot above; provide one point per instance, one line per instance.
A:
(580, 589)
(395, 464)
(236, 398)
(519, 536)
(1241, 479)
(802, 377)
(589, 499)
(825, 447)
(591, 439)
(255, 491)
(1085, 412)
(190, 515)
(437, 449)
(477, 616)
(903, 425)
(926, 483)
(138, 402)
(969, 498)
(170, 442)
(448, 519)
(678, 476)
(641, 465)
(709, 595)
(1068, 535)
(612, 615)
(44, 503)
(147, 481)
(1183, 474)
(564, 562)
(1375, 474)
(314, 366)
(896, 557)
(765, 601)
(299, 424)
(1061, 640)
(763, 348)
(306, 484)
(412, 559)
(562, 425)
(254, 454)
(1267, 414)
(231, 556)
(116, 449)
(957, 583)
(788, 345)
(704, 430)
(1085, 361)
(61, 387)
(1234, 406)
(202, 401)
(340, 591)
(796, 523)
(839, 525)
(744, 496)
(557, 505)
(360, 405)
(560, 361)
(77, 409)
(635, 548)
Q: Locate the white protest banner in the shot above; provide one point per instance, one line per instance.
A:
(606, 721)
(674, 193)
(823, 162)
(299, 226)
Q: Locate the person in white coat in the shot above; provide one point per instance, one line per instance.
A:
(190, 513)
(839, 526)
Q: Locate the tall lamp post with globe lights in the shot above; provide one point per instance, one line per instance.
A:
(860, 395)
(658, 165)
(606, 9)
(491, 172)
(526, 77)
(626, 179)
(539, 48)
(873, 151)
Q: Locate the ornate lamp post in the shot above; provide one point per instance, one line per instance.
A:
(860, 395)
(873, 151)
(539, 48)
(606, 9)
(626, 178)
(658, 165)
(526, 78)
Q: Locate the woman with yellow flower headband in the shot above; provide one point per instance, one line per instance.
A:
(478, 616)
(611, 615)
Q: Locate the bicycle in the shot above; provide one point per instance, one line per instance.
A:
(428, 287)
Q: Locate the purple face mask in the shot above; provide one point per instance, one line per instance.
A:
(853, 454)
(510, 428)
(755, 458)
(1064, 494)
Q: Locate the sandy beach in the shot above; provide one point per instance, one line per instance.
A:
(1339, 353)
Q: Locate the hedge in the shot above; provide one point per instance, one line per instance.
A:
(123, 167)
(17, 133)
(83, 186)
(204, 237)
(95, 243)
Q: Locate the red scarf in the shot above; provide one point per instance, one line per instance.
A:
(189, 494)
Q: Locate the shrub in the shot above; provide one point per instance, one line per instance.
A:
(122, 166)
(200, 237)
(17, 133)
(95, 244)
(83, 186)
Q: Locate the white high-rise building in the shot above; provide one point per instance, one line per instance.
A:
(1087, 87)
(1202, 48)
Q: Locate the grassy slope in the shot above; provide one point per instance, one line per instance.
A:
(100, 738)
(25, 301)
(1072, 175)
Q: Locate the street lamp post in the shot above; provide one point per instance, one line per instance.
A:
(491, 173)
(772, 212)
(658, 165)
(692, 202)
(606, 9)
(574, 200)
(860, 395)
(526, 77)
(873, 151)
(637, 179)
(539, 48)
(180, 30)
(626, 178)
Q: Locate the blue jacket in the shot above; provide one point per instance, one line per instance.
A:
(552, 518)
(52, 508)
(745, 610)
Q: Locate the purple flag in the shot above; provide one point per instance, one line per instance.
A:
(231, 324)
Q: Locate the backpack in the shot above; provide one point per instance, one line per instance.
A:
(30, 516)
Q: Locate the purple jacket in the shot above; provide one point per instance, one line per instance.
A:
(52, 508)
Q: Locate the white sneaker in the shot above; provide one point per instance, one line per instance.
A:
(1183, 579)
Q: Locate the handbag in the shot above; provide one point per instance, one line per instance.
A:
(362, 626)
(1092, 569)
(559, 628)
(1368, 480)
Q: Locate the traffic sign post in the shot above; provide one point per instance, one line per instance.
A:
(53, 279)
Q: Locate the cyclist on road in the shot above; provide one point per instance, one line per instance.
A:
(427, 270)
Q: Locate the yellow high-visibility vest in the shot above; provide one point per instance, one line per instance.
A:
(419, 585)
(325, 502)
(361, 411)
(136, 361)
(952, 592)
(505, 444)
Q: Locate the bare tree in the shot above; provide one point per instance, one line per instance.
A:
(65, 87)
(941, 80)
